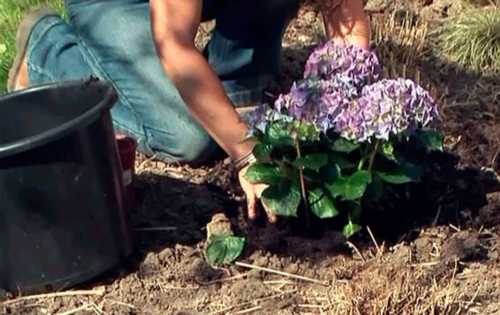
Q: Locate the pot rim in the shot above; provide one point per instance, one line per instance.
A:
(62, 130)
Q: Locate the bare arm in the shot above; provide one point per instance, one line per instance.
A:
(346, 22)
(175, 23)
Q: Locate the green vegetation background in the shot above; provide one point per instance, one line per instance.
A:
(11, 13)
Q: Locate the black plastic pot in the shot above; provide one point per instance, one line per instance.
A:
(61, 208)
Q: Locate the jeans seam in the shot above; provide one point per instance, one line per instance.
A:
(40, 71)
(32, 45)
(94, 65)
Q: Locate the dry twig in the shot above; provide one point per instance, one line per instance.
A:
(243, 275)
(99, 291)
(351, 245)
(379, 251)
(225, 310)
(248, 310)
(77, 310)
(281, 273)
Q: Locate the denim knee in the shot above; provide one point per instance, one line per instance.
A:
(189, 145)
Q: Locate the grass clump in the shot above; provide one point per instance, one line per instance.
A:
(472, 40)
(11, 13)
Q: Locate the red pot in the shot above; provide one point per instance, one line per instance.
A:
(127, 148)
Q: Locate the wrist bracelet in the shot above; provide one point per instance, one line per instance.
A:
(244, 161)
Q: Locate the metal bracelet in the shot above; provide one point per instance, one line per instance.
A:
(244, 161)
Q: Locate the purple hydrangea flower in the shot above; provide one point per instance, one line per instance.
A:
(384, 108)
(317, 101)
(330, 59)
(260, 118)
(334, 95)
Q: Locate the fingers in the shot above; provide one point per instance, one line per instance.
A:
(270, 215)
(253, 194)
(251, 206)
(250, 194)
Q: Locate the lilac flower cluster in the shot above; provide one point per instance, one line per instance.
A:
(336, 96)
(263, 116)
(330, 60)
(384, 108)
(317, 101)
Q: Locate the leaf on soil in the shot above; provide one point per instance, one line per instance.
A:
(224, 249)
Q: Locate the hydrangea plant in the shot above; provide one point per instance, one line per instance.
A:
(334, 141)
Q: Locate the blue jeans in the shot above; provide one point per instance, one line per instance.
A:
(112, 40)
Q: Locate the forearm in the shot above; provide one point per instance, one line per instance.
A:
(346, 22)
(204, 95)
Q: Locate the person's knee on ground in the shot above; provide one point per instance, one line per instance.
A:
(192, 146)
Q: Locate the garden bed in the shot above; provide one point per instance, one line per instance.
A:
(446, 261)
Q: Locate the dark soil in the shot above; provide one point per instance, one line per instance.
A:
(436, 253)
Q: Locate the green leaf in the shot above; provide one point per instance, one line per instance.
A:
(343, 145)
(262, 151)
(283, 199)
(375, 189)
(330, 173)
(350, 229)
(278, 134)
(307, 131)
(321, 204)
(388, 151)
(350, 188)
(342, 161)
(224, 249)
(262, 173)
(404, 174)
(431, 139)
(313, 161)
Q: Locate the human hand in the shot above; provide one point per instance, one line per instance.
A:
(346, 23)
(253, 194)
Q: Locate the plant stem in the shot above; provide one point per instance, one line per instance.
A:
(374, 153)
(361, 164)
(303, 188)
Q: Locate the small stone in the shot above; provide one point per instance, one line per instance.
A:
(152, 259)
(292, 268)
(201, 271)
